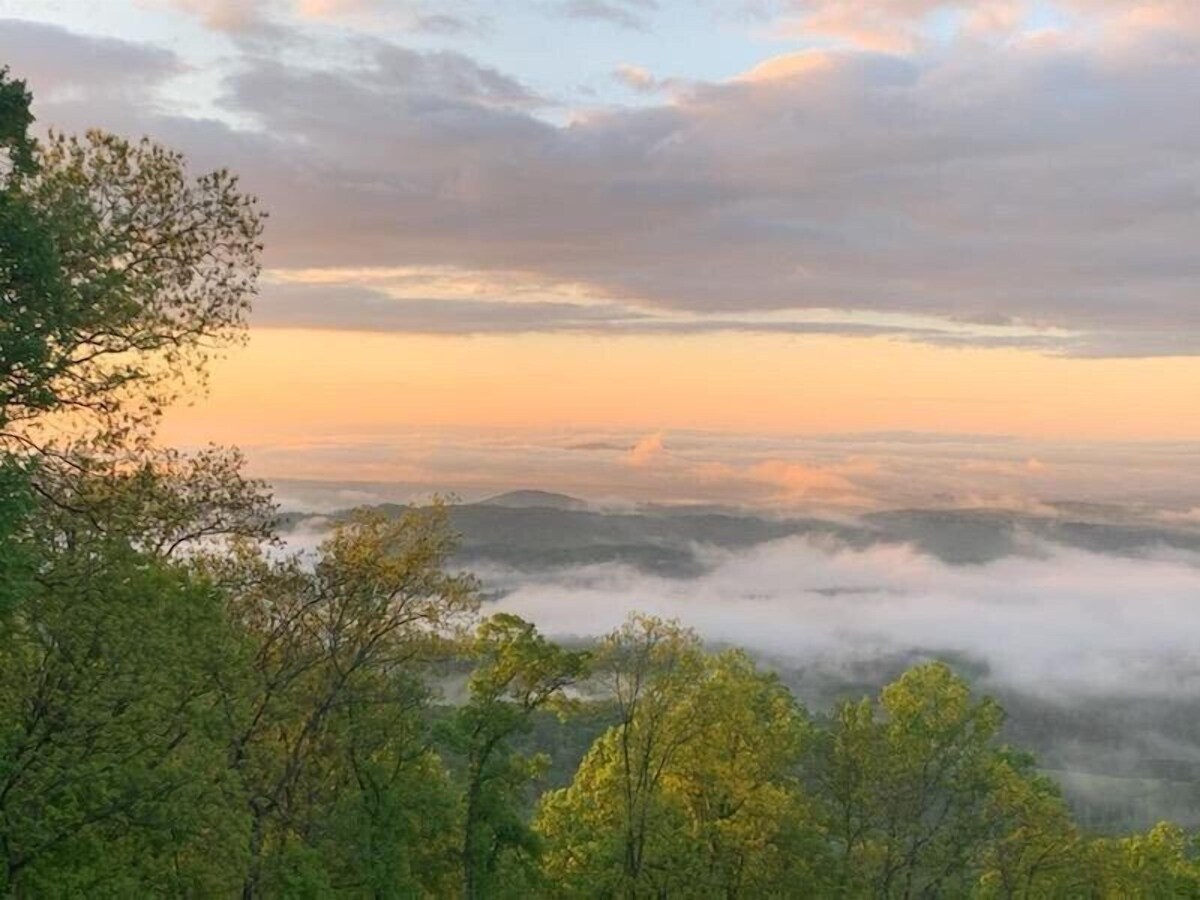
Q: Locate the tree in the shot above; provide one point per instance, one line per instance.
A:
(120, 277)
(30, 276)
(611, 828)
(17, 562)
(740, 787)
(694, 791)
(330, 702)
(919, 799)
(112, 762)
(15, 119)
(517, 672)
(1037, 851)
(27, 271)
(1161, 863)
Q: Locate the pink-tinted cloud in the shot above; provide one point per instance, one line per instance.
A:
(646, 451)
(1008, 468)
(221, 15)
(1044, 185)
(637, 78)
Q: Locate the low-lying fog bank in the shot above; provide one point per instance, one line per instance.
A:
(1088, 632)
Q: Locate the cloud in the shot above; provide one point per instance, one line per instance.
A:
(646, 451)
(1145, 483)
(449, 25)
(637, 78)
(908, 26)
(354, 308)
(621, 13)
(789, 65)
(1066, 622)
(1045, 186)
(876, 25)
(426, 85)
(790, 483)
(62, 67)
(488, 305)
(239, 16)
(1185, 516)
(322, 9)
(242, 18)
(1031, 466)
(221, 15)
(870, 185)
(802, 482)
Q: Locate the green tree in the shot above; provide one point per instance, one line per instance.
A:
(1160, 864)
(517, 672)
(694, 792)
(330, 703)
(739, 784)
(611, 832)
(31, 279)
(17, 561)
(920, 799)
(121, 276)
(118, 277)
(1036, 850)
(27, 272)
(112, 760)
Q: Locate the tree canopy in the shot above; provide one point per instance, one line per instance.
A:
(188, 708)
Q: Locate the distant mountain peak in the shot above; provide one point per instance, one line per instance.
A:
(531, 499)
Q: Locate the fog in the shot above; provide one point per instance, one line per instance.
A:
(1095, 656)
(1058, 622)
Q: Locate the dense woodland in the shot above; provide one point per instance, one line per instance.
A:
(186, 709)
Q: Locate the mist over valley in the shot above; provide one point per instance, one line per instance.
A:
(1081, 619)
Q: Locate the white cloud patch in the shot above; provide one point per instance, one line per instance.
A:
(1062, 623)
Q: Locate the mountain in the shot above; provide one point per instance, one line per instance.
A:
(531, 529)
(533, 500)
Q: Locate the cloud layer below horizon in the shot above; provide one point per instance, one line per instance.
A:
(1064, 623)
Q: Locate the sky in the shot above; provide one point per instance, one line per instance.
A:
(727, 244)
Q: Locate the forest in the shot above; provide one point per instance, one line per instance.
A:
(189, 709)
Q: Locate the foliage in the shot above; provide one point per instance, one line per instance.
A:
(326, 726)
(112, 765)
(16, 504)
(694, 790)
(517, 673)
(187, 710)
(121, 275)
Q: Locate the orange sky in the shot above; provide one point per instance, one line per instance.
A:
(290, 383)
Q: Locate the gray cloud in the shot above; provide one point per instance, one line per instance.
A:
(621, 13)
(866, 186)
(449, 25)
(65, 68)
(356, 308)
(1017, 182)
(364, 309)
